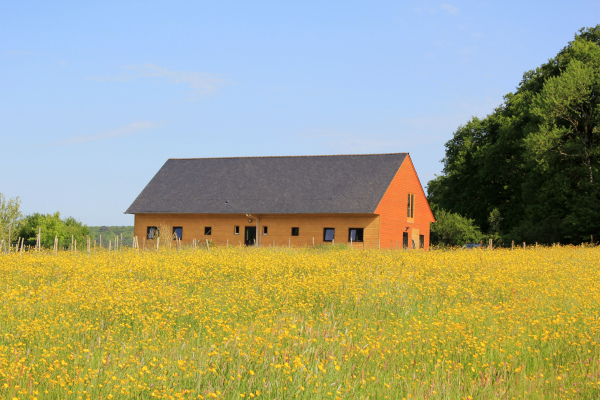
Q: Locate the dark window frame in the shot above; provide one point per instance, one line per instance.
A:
(295, 231)
(236, 230)
(410, 210)
(207, 230)
(325, 234)
(265, 230)
(358, 237)
(150, 232)
(175, 235)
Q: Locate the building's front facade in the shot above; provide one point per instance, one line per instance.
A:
(367, 201)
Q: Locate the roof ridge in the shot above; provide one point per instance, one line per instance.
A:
(299, 156)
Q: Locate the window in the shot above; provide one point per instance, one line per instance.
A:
(236, 230)
(295, 231)
(421, 241)
(328, 234)
(152, 232)
(207, 230)
(411, 206)
(177, 232)
(265, 230)
(355, 234)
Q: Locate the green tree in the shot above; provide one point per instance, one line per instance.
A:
(52, 226)
(10, 218)
(535, 159)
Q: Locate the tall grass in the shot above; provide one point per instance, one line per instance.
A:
(301, 323)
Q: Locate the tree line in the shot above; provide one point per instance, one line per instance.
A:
(13, 225)
(529, 171)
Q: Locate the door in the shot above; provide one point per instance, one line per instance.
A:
(250, 236)
(405, 240)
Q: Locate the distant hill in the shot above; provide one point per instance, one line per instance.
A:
(109, 233)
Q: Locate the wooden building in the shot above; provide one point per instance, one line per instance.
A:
(370, 201)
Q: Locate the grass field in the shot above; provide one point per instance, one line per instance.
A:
(240, 323)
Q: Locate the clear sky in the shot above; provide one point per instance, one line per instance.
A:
(96, 95)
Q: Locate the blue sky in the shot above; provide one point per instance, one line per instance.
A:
(96, 96)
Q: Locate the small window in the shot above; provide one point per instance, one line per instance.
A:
(355, 235)
(411, 206)
(328, 234)
(236, 230)
(207, 230)
(177, 232)
(295, 231)
(265, 230)
(152, 232)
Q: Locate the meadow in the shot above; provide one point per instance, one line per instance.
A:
(328, 323)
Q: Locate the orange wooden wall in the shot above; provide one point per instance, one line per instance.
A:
(279, 227)
(392, 209)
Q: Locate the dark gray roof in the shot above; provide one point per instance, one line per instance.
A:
(270, 185)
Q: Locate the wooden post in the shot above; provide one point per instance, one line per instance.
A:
(490, 245)
(100, 240)
(109, 245)
(524, 246)
(512, 245)
(9, 239)
(313, 241)
(207, 245)
(72, 238)
(350, 241)
(144, 243)
(289, 242)
(396, 244)
(75, 246)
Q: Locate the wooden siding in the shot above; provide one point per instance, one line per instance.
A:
(393, 209)
(279, 227)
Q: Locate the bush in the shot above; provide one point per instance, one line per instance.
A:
(451, 229)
